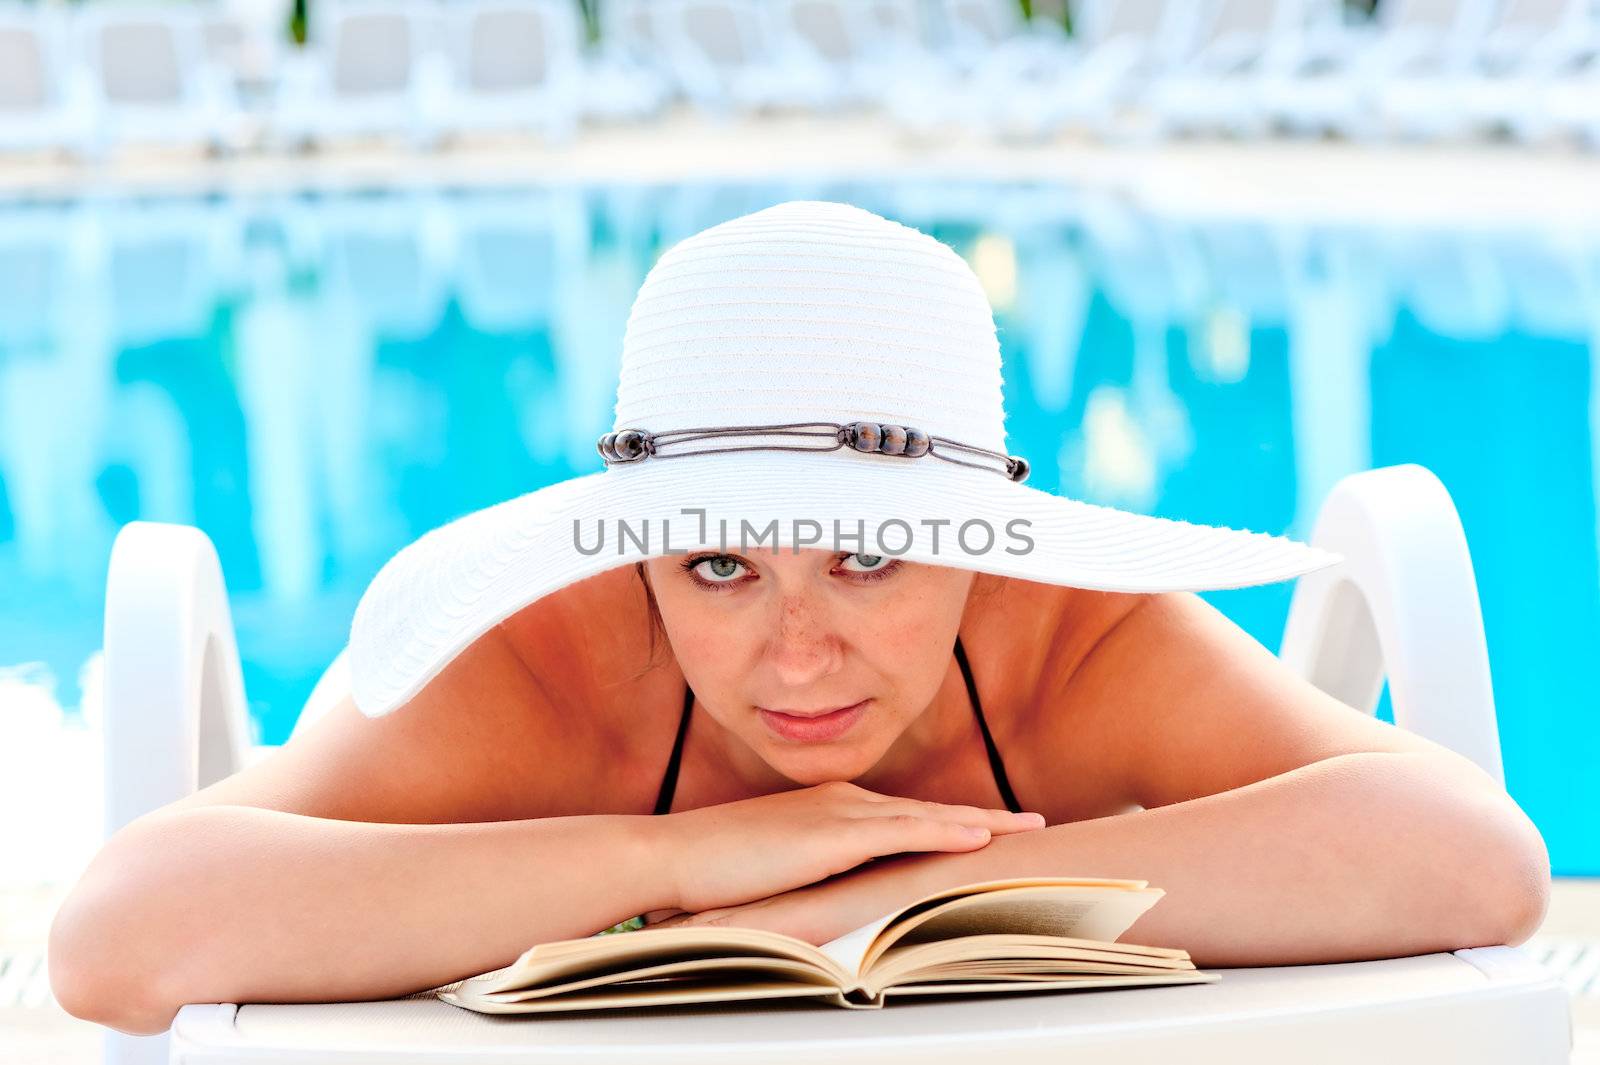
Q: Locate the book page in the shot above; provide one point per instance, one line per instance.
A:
(674, 994)
(615, 957)
(1078, 912)
(1060, 984)
(732, 972)
(1011, 953)
(853, 951)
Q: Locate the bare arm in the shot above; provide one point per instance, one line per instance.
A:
(235, 903)
(1365, 855)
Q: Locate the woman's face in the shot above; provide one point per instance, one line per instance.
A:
(808, 632)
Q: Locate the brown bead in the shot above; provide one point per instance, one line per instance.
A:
(604, 445)
(629, 444)
(894, 440)
(916, 443)
(1017, 468)
(866, 436)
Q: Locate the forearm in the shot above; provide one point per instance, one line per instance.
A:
(241, 904)
(1355, 857)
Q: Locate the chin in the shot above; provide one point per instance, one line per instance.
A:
(809, 768)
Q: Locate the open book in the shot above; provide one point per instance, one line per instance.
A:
(1027, 934)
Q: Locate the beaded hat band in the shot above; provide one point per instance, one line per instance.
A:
(634, 445)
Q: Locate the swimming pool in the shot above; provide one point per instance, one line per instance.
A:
(317, 378)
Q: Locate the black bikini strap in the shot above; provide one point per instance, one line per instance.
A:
(988, 741)
(669, 782)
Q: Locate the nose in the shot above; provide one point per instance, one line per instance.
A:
(805, 646)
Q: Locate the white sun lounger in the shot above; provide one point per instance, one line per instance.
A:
(46, 101)
(1332, 80)
(515, 65)
(867, 46)
(1218, 86)
(1036, 89)
(1403, 604)
(370, 68)
(1529, 45)
(732, 56)
(625, 76)
(1550, 85)
(152, 79)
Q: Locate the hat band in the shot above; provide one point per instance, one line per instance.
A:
(624, 446)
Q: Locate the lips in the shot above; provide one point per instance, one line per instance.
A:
(813, 728)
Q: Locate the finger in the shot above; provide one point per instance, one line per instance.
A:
(893, 833)
(996, 821)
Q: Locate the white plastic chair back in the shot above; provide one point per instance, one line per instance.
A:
(24, 80)
(1454, 29)
(628, 27)
(982, 22)
(1403, 603)
(825, 26)
(1541, 15)
(1103, 21)
(508, 48)
(1228, 21)
(373, 52)
(141, 61)
(723, 31)
(897, 23)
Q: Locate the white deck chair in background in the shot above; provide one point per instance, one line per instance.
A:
(1404, 605)
(731, 56)
(1333, 79)
(865, 47)
(625, 75)
(1528, 44)
(1124, 44)
(1217, 88)
(984, 70)
(975, 32)
(46, 102)
(370, 68)
(1551, 90)
(515, 65)
(151, 78)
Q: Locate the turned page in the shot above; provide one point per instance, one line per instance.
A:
(1082, 907)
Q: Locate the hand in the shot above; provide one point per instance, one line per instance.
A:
(738, 852)
(821, 913)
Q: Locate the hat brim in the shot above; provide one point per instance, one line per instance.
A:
(446, 589)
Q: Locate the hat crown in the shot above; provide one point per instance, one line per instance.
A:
(811, 311)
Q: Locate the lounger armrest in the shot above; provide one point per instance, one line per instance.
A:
(175, 714)
(1403, 603)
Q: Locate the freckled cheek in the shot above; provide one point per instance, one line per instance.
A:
(718, 664)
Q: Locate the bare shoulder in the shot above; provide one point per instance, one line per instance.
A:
(1027, 642)
(1183, 703)
(522, 724)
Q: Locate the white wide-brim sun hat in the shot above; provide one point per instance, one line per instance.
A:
(829, 329)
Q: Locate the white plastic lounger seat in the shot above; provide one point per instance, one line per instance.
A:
(1490, 1004)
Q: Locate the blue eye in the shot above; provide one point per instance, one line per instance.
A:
(713, 569)
(881, 566)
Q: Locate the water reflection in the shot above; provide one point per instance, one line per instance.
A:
(316, 379)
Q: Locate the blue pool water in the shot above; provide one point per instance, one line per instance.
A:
(316, 379)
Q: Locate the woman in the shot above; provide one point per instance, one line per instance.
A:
(807, 649)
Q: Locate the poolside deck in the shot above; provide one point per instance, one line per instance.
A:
(1458, 184)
